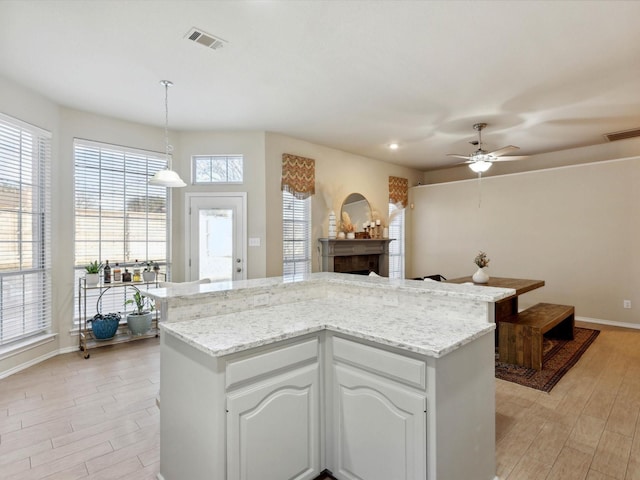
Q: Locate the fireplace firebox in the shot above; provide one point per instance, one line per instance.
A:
(359, 256)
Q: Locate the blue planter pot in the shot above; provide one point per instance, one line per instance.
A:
(104, 327)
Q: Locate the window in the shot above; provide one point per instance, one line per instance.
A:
(119, 216)
(296, 236)
(396, 248)
(217, 169)
(25, 236)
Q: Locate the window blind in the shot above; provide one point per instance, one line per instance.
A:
(25, 236)
(296, 236)
(119, 216)
(397, 247)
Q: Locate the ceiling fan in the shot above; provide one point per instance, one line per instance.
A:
(481, 160)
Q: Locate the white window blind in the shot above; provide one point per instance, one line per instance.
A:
(296, 236)
(119, 216)
(25, 235)
(396, 248)
(217, 169)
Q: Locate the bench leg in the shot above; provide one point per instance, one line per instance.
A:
(536, 350)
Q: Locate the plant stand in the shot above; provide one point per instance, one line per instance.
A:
(86, 339)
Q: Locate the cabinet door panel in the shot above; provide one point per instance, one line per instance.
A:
(273, 428)
(380, 428)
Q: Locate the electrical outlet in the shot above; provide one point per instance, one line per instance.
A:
(626, 303)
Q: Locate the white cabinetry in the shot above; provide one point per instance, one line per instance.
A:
(325, 400)
(379, 427)
(273, 416)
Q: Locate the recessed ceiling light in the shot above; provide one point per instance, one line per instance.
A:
(393, 146)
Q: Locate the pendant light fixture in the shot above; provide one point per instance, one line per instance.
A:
(167, 177)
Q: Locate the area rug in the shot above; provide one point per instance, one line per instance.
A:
(558, 357)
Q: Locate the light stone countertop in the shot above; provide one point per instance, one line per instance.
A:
(416, 330)
(467, 291)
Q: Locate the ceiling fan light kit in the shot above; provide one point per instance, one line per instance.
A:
(480, 166)
(480, 161)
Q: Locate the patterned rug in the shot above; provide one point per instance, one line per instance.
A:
(558, 357)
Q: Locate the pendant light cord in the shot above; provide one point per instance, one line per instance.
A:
(167, 147)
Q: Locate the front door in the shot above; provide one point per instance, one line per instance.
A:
(216, 236)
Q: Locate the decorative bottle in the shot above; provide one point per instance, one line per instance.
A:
(136, 272)
(117, 273)
(107, 273)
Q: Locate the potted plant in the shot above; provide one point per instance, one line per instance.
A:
(139, 321)
(92, 275)
(482, 262)
(149, 273)
(104, 327)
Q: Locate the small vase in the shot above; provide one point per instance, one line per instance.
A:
(341, 235)
(351, 235)
(481, 276)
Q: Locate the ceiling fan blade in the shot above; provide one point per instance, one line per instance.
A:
(466, 157)
(503, 150)
(510, 158)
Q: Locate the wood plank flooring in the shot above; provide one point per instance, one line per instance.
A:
(69, 418)
(586, 427)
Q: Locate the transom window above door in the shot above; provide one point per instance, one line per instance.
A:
(208, 169)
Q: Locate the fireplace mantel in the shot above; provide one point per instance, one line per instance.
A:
(367, 254)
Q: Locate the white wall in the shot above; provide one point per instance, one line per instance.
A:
(574, 227)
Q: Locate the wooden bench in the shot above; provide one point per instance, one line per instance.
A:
(520, 341)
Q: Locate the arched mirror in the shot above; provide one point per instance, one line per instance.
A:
(358, 209)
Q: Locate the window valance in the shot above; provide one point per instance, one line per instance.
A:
(298, 176)
(399, 190)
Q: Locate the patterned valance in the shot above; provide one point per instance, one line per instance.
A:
(399, 190)
(298, 176)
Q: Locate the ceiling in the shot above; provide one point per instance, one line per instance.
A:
(353, 75)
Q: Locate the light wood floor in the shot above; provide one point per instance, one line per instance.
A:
(70, 418)
(585, 428)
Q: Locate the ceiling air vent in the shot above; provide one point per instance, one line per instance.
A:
(612, 137)
(206, 39)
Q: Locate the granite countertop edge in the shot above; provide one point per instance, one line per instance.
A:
(467, 291)
(279, 336)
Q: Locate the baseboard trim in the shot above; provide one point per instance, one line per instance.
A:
(611, 323)
(32, 362)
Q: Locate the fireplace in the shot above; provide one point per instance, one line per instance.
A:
(359, 264)
(355, 256)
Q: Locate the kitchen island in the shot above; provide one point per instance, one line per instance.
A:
(369, 378)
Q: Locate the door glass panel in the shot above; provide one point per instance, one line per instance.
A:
(216, 243)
